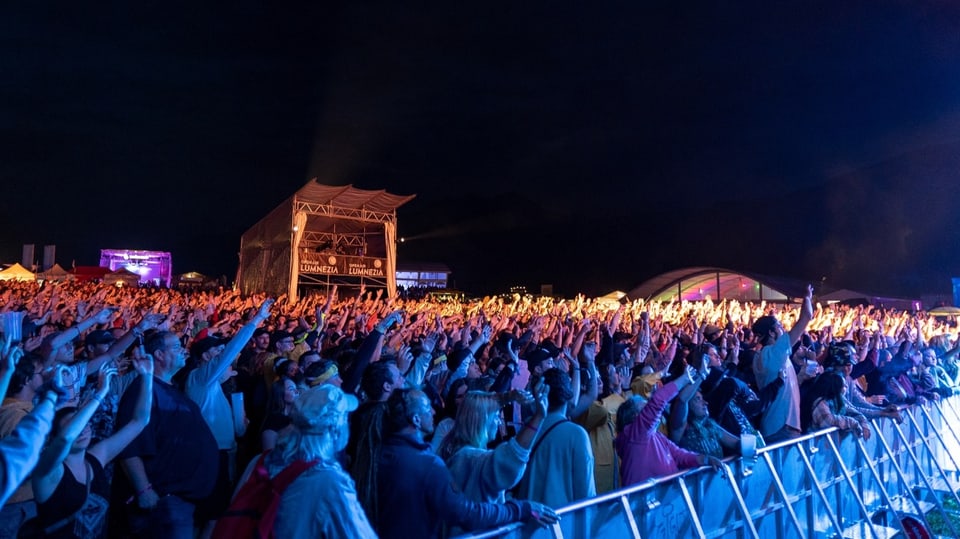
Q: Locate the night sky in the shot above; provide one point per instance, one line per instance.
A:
(585, 146)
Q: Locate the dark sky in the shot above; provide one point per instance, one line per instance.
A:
(586, 146)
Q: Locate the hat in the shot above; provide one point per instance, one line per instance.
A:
(279, 335)
(838, 355)
(99, 336)
(537, 356)
(318, 409)
(198, 348)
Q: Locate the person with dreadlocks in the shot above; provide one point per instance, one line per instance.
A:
(414, 493)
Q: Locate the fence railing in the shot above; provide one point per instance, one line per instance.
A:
(823, 484)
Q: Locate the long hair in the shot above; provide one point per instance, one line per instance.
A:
(365, 466)
(471, 428)
(828, 387)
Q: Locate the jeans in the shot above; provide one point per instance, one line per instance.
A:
(172, 518)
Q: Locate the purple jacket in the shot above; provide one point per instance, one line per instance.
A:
(645, 452)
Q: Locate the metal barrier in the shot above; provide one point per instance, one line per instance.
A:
(823, 484)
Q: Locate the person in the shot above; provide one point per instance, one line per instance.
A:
(600, 422)
(644, 451)
(172, 464)
(25, 384)
(415, 494)
(699, 433)
(781, 420)
(215, 359)
(20, 446)
(825, 406)
(69, 484)
(282, 397)
(322, 501)
(560, 469)
(483, 474)
(840, 357)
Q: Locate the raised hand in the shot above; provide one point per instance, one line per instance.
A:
(105, 315)
(103, 377)
(144, 365)
(404, 358)
(264, 311)
(9, 354)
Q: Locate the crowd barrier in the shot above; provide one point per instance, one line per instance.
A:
(822, 485)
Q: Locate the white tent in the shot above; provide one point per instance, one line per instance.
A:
(17, 272)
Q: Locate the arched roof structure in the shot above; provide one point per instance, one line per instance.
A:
(703, 282)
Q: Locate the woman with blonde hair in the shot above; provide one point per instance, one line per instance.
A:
(484, 474)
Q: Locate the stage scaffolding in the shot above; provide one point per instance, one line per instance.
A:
(320, 236)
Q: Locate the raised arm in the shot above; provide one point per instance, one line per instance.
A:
(108, 449)
(148, 322)
(9, 357)
(49, 470)
(806, 315)
(77, 330)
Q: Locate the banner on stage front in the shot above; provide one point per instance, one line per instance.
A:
(334, 264)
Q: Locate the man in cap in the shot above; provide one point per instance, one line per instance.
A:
(215, 357)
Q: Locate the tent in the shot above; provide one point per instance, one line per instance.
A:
(55, 273)
(89, 273)
(122, 277)
(16, 272)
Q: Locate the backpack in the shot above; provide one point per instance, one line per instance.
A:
(254, 509)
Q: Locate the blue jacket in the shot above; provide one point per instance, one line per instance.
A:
(416, 495)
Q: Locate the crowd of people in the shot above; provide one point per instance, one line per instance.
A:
(156, 413)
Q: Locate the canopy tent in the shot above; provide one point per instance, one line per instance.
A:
(55, 273)
(16, 272)
(89, 273)
(123, 277)
(853, 297)
(323, 235)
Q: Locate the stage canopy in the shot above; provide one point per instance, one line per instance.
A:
(320, 236)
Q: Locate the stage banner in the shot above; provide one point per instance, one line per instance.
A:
(342, 265)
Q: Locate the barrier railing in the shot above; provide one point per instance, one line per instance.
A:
(823, 484)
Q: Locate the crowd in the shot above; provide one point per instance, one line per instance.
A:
(155, 413)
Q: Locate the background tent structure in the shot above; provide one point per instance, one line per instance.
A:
(16, 272)
(323, 235)
(55, 273)
(89, 273)
(699, 283)
(122, 276)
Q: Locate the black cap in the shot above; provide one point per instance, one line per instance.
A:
(99, 336)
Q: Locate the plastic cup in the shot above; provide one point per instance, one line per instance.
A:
(748, 446)
(11, 323)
